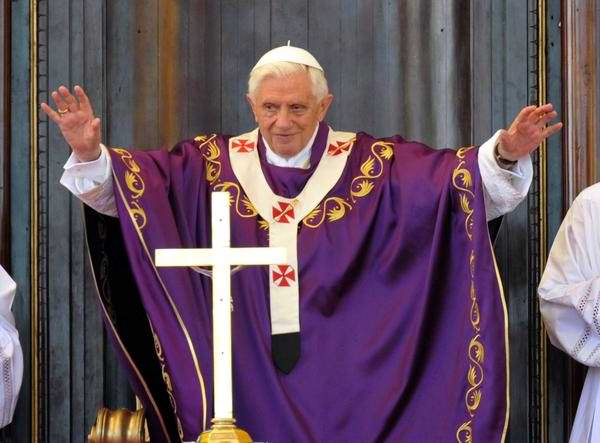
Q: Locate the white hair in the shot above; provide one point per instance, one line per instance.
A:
(283, 69)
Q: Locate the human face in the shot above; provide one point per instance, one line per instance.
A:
(287, 112)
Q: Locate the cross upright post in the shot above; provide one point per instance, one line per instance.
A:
(221, 257)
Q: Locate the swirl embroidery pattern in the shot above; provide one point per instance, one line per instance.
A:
(243, 206)
(463, 183)
(336, 208)
(211, 153)
(135, 185)
(330, 210)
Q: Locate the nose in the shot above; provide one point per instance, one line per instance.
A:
(283, 119)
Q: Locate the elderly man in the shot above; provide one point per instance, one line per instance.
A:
(387, 324)
(11, 354)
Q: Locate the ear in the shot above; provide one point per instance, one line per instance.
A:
(252, 107)
(324, 106)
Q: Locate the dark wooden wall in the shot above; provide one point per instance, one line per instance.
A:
(446, 72)
(4, 133)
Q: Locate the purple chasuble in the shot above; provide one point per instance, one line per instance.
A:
(402, 321)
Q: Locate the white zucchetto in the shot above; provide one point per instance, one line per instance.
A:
(288, 54)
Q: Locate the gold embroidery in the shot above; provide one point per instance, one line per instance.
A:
(176, 312)
(465, 433)
(475, 375)
(246, 209)
(166, 379)
(138, 213)
(371, 169)
(463, 182)
(124, 153)
(474, 308)
(263, 224)
(136, 186)
(242, 204)
(331, 209)
(322, 212)
(336, 208)
(211, 155)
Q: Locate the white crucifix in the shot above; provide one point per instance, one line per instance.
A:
(221, 257)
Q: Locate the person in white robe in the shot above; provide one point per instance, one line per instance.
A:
(569, 294)
(11, 354)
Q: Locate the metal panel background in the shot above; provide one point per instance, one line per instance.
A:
(446, 72)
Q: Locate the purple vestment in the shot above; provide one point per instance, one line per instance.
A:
(403, 326)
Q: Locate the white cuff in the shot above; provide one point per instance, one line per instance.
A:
(84, 176)
(91, 182)
(503, 189)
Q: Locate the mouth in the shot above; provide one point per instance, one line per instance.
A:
(283, 137)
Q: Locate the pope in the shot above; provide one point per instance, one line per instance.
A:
(388, 322)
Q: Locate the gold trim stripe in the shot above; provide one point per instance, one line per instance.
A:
(34, 217)
(543, 239)
(506, 341)
(462, 181)
(466, 427)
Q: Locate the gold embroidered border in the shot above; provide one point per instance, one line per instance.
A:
(330, 210)
(243, 206)
(166, 379)
(211, 154)
(335, 208)
(135, 185)
(463, 183)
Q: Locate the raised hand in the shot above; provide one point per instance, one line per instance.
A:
(75, 118)
(527, 131)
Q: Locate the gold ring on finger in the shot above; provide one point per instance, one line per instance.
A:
(63, 111)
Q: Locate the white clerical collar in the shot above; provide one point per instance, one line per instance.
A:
(300, 160)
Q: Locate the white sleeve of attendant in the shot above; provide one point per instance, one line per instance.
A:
(570, 287)
(91, 182)
(503, 189)
(11, 354)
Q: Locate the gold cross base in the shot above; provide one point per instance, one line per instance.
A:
(224, 431)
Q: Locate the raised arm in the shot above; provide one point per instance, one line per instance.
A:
(88, 171)
(504, 161)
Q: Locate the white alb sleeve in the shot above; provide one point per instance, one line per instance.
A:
(503, 189)
(11, 354)
(91, 182)
(569, 291)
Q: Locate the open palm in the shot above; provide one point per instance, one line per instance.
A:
(75, 119)
(527, 131)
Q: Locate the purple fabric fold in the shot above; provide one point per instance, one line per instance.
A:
(402, 321)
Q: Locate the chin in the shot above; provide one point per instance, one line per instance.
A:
(286, 150)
